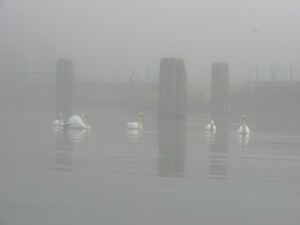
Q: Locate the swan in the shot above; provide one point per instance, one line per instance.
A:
(136, 125)
(244, 129)
(58, 122)
(78, 121)
(211, 127)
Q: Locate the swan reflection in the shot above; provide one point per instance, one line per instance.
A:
(57, 130)
(72, 135)
(211, 137)
(135, 135)
(219, 149)
(78, 135)
(244, 139)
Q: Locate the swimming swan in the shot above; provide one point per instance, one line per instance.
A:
(211, 127)
(58, 122)
(243, 129)
(136, 125)
(78, 121)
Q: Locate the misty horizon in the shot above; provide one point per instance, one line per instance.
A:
(116, 35)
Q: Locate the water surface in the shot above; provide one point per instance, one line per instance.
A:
(173, 172)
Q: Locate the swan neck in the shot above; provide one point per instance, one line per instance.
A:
(83, 120)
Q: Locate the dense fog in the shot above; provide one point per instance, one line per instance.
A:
(117, 35)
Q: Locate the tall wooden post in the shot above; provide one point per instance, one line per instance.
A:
(64, 87)
(172, 88)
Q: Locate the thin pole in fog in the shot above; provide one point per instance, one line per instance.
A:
(147, 73)
(130, 94)
(92, 75)
(29, 75)
(256, 53)
(291, 72)
(114, 76)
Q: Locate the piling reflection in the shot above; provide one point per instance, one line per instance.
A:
(64, 149)
(172, 142)
(219, 148)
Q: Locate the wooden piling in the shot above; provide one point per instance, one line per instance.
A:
(64, 87)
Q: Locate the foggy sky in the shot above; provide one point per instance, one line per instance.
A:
(124, 34)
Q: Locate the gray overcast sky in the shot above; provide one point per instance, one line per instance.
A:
(126, 33)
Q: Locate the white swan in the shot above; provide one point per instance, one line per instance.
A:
(78, 121)
(136, 125)
(244, 129)
(211, 127)
(59, 122)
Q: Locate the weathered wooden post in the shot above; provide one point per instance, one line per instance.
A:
(64, 87)
(172, 88)
(181, 88)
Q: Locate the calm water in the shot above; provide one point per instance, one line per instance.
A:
(172, 173)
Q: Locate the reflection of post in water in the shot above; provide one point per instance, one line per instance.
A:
(219, 148)
(63, 154)
(64, 87)
(172, 140)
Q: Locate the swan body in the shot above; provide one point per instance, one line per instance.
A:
(59, 122)
(136, 125)
(244, 129)
(78, 121)
(211, 127)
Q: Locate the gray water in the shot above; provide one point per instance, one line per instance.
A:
(171, 173)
